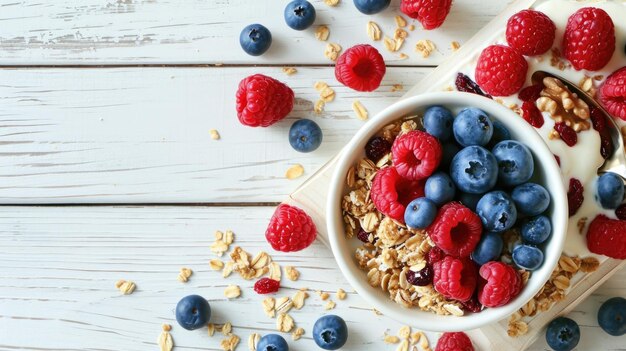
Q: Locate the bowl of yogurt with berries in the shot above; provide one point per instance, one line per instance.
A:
(447, 211)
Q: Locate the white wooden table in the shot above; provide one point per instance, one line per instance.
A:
(107, 169)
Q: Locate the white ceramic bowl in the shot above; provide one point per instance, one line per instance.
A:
(547, 173)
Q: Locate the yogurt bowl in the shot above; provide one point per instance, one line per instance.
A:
(546, 173)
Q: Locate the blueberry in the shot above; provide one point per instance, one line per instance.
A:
(610, 190)
(449, 150)
(305, 135)
(255, 39)
(469, 200)
(370, 7)
(531, 199)
(439, 188)
(536, 230)
(497, 211)
(438, 122)
(515, 162)
(527, 257)
(472, 127)
(474, 170)
(420, 213)
(488, 248)
(330, 332)
(562, 334)
(272, 342)
(193, 312)
(612, 316)
(500, 133)
(299, 14)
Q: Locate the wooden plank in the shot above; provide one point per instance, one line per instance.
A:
(142, 134)
(59, 266)
(70, 32)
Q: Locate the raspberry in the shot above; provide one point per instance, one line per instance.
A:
(455, 278)
(530, 32)
(607, 237)
(263, 101)
(589, 39)
(458, 341)
(575, 195)
(620, 212)
(599, 124)
(361, 68)
(431, 13)
(376, 148)
(531, 114)
(266, 286)
(465, 84)
(416, 154)
(500, 284)
(613, 93)
(290, 229)
(435, 255)
(501, 70)
(531, 93)
(391, 193)
(567, 134)
(456, 229)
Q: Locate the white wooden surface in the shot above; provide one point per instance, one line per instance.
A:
(130, 134)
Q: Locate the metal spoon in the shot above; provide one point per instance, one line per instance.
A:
(616, 162)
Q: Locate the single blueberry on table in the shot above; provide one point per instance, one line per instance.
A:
(474, 170)
(536, 230)
(255, 39)
(488, 248)
(610, 190)
(448, 151)
(612, 316)
(438, 122)
(330, 332)
(305, 135)
(515, 162)
(299, 14)
(472, 127)
(420, 213)
(531, 199)
(469, 200)
(370, 7)
(439, 188)
(527, 257)
(272, 342)
(497, 211)
(193, 312)
(563, 334)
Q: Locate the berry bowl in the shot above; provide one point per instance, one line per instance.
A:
(407, 307)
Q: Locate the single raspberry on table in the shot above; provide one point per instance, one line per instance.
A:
(500, 284)
(607, 237)
(456, 230)
(589, 39)
(457, 341)
(263, 101)
(266, 286)
(532, 115)
(531, 93)
(530, 32)
(613, 93)
(567, 134)
(620, 212)
(290, 229)
(391, 193)
(361, 68)
(575, 195)
(501, 70)
(455, 278)
(431, 13)
(416, 154)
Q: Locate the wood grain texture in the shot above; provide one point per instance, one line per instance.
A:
(65, 32)
(123, 135)
(59, 266)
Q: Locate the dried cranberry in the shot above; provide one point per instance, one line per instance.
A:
(472, 305)
(599, 124)
(567, 134)
(606, 145)
(376, 148)
(531, 114)
(530, 93)
(620, 212)
(597, 118)
(266, 286)
(464, 83)
(575, 196)
(435, 255)
(558, 160)
(363, 235)
(422, 277)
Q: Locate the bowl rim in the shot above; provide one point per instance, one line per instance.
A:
(553, 184)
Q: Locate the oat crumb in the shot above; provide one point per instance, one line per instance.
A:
(290, 71)
(295, 171)
(215, 135)
(125, 287)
